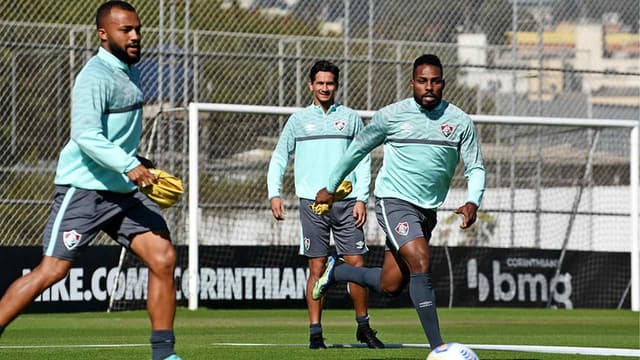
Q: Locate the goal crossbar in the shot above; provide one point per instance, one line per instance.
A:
(193, 213)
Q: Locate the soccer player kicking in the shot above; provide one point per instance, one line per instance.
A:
(319, 135)
(424, 137)
(97, 181)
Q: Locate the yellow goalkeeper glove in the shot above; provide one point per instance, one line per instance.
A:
(167, 189)
(341, 192)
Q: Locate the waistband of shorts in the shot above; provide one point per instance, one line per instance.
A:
(435, 211)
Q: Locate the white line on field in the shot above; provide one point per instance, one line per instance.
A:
(70, 346)
(521, 348)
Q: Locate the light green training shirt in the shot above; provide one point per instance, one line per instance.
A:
(106, 126)
(421, 151)
(318, 139)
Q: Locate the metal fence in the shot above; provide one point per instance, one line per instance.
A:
(518, 57)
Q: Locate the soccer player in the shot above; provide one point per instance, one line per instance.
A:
(319, 135)
(97, 181)
(424, 137)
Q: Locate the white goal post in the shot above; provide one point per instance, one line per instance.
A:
(195, 109)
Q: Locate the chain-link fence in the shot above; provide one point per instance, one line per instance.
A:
(501, 57)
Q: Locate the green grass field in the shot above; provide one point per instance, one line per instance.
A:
(200, 333)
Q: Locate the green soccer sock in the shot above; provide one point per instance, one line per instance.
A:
(424, 300)
(162, 342)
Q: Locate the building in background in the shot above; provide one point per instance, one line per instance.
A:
(594, 52)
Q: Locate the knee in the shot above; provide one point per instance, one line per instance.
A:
(391, 288)
(164, 260)
(354, 260)
(419, 262)
(54, 275)
(49, 274)
(419, 266)
(316, 268)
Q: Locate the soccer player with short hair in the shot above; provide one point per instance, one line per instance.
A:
(424, 137)
(319, 135)
(98, 177)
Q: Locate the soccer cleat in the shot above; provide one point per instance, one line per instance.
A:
(173, 357)
(322, 284)
(366, 335)
(316, 342)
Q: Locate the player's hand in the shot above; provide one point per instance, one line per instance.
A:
(277, 208)
(141, 176)
(360, 213)
(469, 212)
(324, 197)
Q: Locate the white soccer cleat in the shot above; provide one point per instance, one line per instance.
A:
(322, 284)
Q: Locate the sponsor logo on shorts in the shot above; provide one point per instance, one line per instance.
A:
(307, 243)
(340, 125)
(359, 244)
(71, 239)
(402, 228)
(446, 129)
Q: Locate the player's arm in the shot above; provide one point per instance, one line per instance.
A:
(90, 96)
(474, 173)
(370, 137)
(363, 180)
(362, 171)
(277, 167)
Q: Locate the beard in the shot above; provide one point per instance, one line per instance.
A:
(123, 55)
(428, 105)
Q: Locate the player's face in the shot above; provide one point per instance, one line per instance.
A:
(427, 85)
(120, 35)
(323, 88)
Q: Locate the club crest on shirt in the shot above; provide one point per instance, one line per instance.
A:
(339, 125)
(446, 129)
(71, 239)
(402, 228)
(307, 243)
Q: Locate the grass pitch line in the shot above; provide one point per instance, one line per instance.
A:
(561, 349)
(520, 348)
(7, 347)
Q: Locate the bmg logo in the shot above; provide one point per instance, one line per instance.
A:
(519, 286)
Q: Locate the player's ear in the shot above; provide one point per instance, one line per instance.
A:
(310, 83)
(102, 34)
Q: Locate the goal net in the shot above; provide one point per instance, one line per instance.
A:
(561, 185)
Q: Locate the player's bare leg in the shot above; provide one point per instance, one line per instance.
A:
(160, 257)
(417, 256)
(314, 307)
(26, 288)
